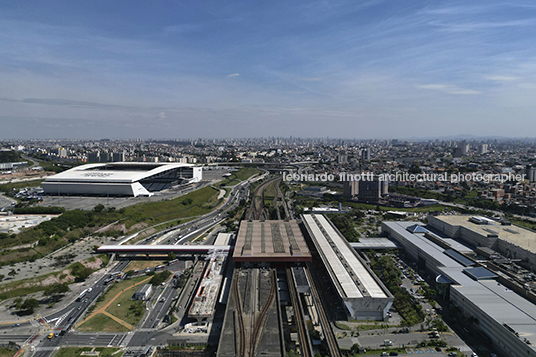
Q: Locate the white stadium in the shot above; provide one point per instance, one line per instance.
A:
(121, 179)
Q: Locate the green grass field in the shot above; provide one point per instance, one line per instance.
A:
(8, 187)
(117, 288)
(120, 308)
(193, 204)
(101, 323)
(245, 173)
(240, 175)
(76, 351)
(4, 352)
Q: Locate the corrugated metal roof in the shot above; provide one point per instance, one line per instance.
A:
(463, 260)
(352, 264)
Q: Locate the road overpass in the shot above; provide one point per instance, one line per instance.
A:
(162, 249)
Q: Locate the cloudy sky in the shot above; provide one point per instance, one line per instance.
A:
(215, 69)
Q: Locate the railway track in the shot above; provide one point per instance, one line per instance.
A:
(257, 211)
(279, 195)
(261, 318)
(305, 346)
(324, 321)
(240, 317)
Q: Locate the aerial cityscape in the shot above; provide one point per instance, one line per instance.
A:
(241, 178)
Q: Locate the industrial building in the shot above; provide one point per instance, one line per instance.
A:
(506, 318)
(121, 179)
(512, 241)
(363, 294)
(270, 241)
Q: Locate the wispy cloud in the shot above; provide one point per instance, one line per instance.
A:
(450, 89)
(481, 25)
(233, 75)
(73, 103)
(499, 78)
(311, 79)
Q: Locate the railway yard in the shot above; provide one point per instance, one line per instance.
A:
(265, 307)
(276, 287)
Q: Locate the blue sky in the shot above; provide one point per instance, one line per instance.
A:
(351, 69)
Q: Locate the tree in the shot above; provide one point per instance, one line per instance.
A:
(130, 273)
(12, 273)
(56, 289)
(159, 278)
(98, 208)
(80, 272)
(18, 302)
(355, 348)
(171, 256)
(2, 277)
(29, 306)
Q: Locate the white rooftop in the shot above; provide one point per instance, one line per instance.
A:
(341, 272)
(99, 173)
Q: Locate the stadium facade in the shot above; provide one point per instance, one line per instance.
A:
(121, 179)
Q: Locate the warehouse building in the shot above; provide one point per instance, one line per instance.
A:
(506, 318)
(121, 179)
(512, 241)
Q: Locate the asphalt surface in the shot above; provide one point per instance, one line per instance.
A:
(60, 322)
(6, 202)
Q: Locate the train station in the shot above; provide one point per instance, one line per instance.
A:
(270, 241)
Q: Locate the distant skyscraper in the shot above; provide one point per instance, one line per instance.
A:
(372, 190)
(62, 152)
(342, 158)
(350, 189)
(482, 149)
(465, 147)
(457, 153)
(531, 173)
(93, 156)
(119, 156)
(365, 154)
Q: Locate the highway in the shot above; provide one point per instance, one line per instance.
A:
(160, 306)
(146, 335)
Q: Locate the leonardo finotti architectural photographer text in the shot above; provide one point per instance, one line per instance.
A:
(405, 176)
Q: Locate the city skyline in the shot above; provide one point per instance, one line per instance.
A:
(377, 69)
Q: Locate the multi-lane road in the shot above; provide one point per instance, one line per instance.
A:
(60, 322)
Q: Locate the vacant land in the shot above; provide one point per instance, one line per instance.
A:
(40, 283)
(142, 264)
(75, 224)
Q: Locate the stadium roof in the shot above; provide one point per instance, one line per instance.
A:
(123, 172)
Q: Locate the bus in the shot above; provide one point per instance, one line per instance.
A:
(82, 294)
